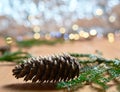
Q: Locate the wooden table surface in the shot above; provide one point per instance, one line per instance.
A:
(9, 84)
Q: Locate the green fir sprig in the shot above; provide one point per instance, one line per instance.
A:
(33, 42)
(95, 70)
(17, 56)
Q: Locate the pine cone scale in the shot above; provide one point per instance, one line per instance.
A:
(23, 72)
(32, 72)
(47, 71)
(68, 71)
(63, 62)
(40, 71)
(54, 73)
(59, 72)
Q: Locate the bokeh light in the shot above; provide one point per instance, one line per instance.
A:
(111, 37)
(47, 36)
(93, 32)
(76, 37)
(71, 36)
(99, 12)
(36, 29)
(36, 35)
(75, 27)
(9, 40)
(112, 18)
(62, 30)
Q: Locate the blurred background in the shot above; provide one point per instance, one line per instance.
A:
(67, 19)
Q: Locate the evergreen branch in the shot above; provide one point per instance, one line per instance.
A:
(95, 69)
(33, 42)
(93, 58)
(94, 75)
(14, 56)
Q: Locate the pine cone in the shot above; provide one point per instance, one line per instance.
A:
(48, 69)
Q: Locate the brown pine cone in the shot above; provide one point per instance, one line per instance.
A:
(52, 69)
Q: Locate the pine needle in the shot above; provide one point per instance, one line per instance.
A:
(33, 42)
(95, 70)
(14, 56)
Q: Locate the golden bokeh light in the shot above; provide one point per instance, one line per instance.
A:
(71, 36)
(112, 18)
(36, 29)
(30, 17)
(75, 27)
(86, 35)
(62, 30)
(76, 37)
(111, 38)
(93, 32)
(81, 33)
(47, 36)
(9, 40)
(99, 12)
(36, 35)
